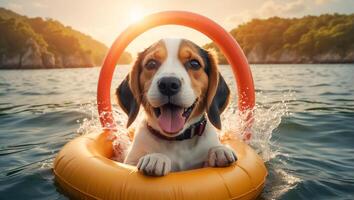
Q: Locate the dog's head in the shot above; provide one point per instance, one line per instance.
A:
(176, 82)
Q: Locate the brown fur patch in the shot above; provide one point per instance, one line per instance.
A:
(199, 78)
(213, 78)
(143, 76)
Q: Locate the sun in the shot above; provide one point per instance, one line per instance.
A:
(136, 14)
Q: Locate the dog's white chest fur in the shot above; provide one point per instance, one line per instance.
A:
(184, 155)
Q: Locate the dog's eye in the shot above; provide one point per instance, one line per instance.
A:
(152, 64)
(193, 64)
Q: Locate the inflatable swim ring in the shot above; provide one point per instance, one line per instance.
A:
(84, 170)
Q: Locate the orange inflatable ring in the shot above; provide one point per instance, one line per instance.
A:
(83, 167)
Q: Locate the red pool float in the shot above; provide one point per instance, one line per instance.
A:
(215, 32)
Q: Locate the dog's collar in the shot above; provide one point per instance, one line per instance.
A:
(195, 129)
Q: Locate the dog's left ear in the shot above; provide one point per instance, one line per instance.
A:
(128, 92)
(218, 92)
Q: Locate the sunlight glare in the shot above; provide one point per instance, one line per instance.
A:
(136, 14)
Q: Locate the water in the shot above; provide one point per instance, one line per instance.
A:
(304, 127)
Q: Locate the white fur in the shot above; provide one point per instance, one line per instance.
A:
(157, 157)
(184, 154)
(172, 67)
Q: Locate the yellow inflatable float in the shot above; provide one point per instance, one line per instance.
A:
(84, 169)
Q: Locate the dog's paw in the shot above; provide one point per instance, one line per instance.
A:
(221, 156)
(155, 164)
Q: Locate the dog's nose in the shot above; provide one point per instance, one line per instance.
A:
(169, 86)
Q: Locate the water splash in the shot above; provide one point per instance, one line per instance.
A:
(93, 125)
(89, 124)
(266, 117)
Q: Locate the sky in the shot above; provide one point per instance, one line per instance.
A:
(104, 20)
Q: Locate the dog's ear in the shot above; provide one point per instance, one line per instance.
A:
(218, 92)
(128, 92)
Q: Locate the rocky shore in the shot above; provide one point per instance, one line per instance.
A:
(33, 57)
(257, 56)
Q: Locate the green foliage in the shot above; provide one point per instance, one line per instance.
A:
(14, 34)
(310, 35)
(59, 38)
(51, 36)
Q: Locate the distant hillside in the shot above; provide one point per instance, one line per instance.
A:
(46, 43)
(311, 39)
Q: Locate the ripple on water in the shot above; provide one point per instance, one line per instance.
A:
(307, 141)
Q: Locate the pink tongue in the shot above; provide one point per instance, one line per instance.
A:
(171, 120)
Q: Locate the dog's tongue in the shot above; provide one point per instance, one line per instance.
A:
(171, 119)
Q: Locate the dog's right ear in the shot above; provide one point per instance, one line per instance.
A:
(128, 92)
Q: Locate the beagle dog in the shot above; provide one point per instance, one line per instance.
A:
(183, 94)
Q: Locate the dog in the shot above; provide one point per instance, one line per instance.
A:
(183, 94)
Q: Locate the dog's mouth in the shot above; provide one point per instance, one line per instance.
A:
(171, 118)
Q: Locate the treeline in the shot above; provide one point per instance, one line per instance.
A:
(326, 38)
(46, 43)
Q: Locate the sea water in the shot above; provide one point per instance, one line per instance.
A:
(303, 127)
